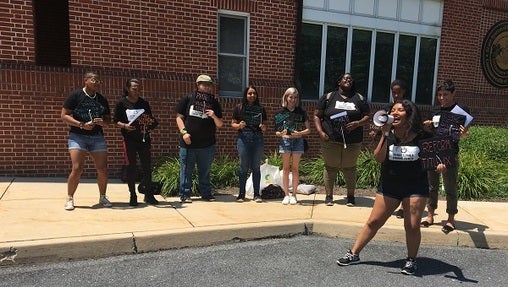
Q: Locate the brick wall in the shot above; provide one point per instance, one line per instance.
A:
(465, 24)
(166, 44)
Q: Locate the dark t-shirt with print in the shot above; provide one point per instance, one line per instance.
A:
(354, 109)
(201, 127)
(120, 115)
(403, 162)
(85, 109)
(290, 120)
(252, 115)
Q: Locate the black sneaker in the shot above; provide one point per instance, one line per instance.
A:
(350, 201)
(399, 213)
(409, 267)
(208, 198)
(329, 200)
(348, 258)
(185, 199)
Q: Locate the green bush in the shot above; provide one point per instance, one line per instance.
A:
(478, 176)
(483, 171)
(224, 173)
(368, 170)
(491, 141)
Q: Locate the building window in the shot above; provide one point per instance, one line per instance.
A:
(52, 37)
(376, 41)
(233, 54)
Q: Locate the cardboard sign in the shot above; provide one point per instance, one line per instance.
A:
(449, 125)
(436, 150)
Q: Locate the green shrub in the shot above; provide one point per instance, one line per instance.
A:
(478, 176)
(483, 171)
(368, 170)
(224, 173)
(492, 141)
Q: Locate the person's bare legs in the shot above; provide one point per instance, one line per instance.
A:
(286, 167)
(381, 211)
(101, 163)
(413, 208)
(78, 160)
(294, 170)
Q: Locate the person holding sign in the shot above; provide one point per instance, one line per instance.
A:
(448, 120)
(403, 180)
(198, 115)
(86, 111)
(291, 125)
(133, 116)
(339, 119)
(248, 119)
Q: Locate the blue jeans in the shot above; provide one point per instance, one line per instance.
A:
(189, 157)
(250, 150)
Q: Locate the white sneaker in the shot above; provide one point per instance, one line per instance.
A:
(292, 200)
(285, 200)
(69, 205)
(104, 201)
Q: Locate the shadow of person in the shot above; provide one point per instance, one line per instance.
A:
(360, 201)
(427, 266)
(475, 231)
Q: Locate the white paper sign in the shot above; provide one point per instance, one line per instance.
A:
(460, 111)
(132, 115)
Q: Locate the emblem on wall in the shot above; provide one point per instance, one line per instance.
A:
(494, 57)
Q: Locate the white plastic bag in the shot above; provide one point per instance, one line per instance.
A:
(270, 174)
(306, 188)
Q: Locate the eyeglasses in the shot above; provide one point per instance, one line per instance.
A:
(95, 81)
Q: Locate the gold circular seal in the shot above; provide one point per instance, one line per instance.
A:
(494, 57)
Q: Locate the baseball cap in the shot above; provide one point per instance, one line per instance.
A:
(204, 78)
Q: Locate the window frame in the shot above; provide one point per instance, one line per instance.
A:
(245, 56)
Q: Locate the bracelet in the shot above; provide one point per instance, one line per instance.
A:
(81, 125)
(124, 126)
(183, 131)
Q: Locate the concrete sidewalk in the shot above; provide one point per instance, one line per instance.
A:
(33, 220)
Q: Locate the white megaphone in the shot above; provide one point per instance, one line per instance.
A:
(382, 118)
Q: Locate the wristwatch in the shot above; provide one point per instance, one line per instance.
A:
(81, 125)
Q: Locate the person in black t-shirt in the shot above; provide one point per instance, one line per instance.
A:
(86, 112)
(249, 119)
(403, 180)
(136, 138)
(339, 119)
(446, 97)
(198, 116)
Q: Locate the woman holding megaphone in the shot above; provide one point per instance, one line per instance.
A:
(403, 180)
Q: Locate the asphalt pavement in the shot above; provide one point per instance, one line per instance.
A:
(33, 221)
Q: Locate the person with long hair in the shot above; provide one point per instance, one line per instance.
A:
(403, 179)
(136, 138)
(339, 119)
(291, 125)
(249, 120)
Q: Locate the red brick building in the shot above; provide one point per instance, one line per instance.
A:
(46, 46)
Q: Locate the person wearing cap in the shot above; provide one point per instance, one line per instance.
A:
(199, 114)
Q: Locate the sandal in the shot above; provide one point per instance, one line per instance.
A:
(447, 228)
(425, 223)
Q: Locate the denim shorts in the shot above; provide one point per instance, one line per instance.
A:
(90, 143)
(289, 145)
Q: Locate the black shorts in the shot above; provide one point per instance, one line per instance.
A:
(402, 189)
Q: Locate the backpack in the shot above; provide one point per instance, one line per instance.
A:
(272, 191)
